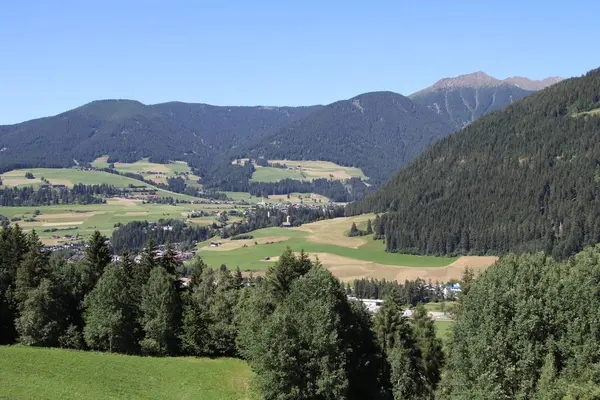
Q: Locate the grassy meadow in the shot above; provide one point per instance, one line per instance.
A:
(304, 170)
(155, 172)
(44, 373)
(75, 219)
(71, 176)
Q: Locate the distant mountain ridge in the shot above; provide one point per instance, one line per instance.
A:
(465, 98)
(128, 130)
(378, 132)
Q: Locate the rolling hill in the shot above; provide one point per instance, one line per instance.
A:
(128, 130)
(465, 98)
(377, 132)
(523, 179)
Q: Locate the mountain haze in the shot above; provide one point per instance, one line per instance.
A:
(522, 179)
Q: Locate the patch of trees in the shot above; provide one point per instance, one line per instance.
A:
(354, 231)
(242, 237)
(28, 196)
(523, 179)
(134, 235)
(528, 328)
(29, 175)
(409, 293)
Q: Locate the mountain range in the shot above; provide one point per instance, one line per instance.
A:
(378, 132)
(465, 98)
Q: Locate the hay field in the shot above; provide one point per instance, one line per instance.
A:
(155, 172)
(44, 373)
(348, 258)
(71, 176)
(303, 170)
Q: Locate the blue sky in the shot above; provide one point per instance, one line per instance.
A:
(57, 55)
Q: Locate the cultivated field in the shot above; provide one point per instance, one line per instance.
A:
(155, 172)
(304, 170)
(348, 258)
(82, 220)
(42, 373)
(71, 176)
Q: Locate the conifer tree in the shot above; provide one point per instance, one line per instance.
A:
(369, 227)
(158, 314)
(432, 354)
(97, 258)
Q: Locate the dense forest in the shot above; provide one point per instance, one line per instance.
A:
(522, 179)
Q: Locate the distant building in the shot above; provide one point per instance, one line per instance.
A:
(452, 290)
(287, 223)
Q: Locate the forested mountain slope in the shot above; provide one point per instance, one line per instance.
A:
(378, 132)
(522, 179)
(127, 130)
(465, 98)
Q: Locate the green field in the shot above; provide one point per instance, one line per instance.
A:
(42, 373)
(84, 219)
(443, 329)
(326, 238)
(152, 171)
(71, 176)
(305, 170)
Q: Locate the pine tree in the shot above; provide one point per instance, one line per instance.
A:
(97, 258)
(32, 269)
(353, 230)
(287, 269)
(109, 314)
(158, 314)
(432, 354)
(369, 227)
(168, 261)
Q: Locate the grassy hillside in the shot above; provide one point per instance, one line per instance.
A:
(42, 373)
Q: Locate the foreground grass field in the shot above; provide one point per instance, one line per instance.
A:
(348, 258)
(41, 373)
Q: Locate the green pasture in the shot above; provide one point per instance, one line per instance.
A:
(252, 257)
(305, 170)
(44, 373)
(85, 219)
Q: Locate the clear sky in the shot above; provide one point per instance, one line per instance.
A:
(57, 55)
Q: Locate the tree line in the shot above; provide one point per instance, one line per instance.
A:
(134, 235)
